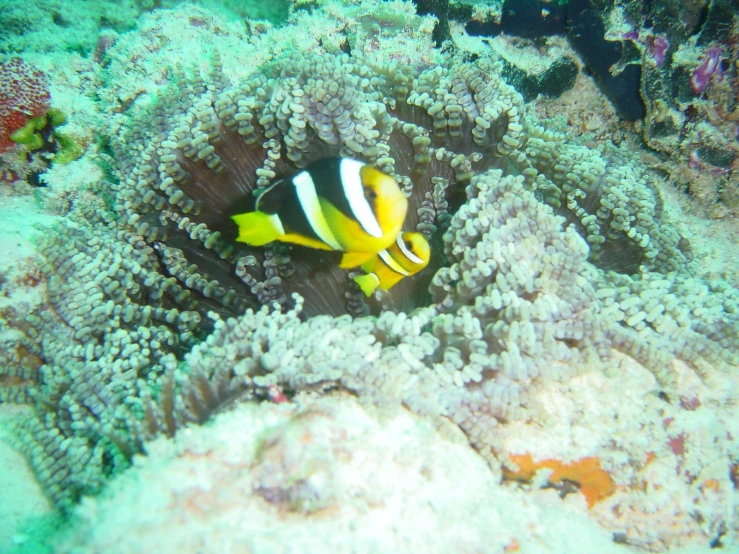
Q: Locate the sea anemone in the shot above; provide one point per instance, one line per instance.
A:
(210, 146)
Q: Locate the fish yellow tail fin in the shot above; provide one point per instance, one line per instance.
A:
(368, 283)
(258, 228)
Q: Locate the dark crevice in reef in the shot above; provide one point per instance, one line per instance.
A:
(581, 22)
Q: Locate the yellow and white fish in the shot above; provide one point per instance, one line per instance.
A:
(333, 204)
(408, 255)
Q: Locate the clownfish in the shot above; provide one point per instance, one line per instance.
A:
(408, 255)
(333, 204)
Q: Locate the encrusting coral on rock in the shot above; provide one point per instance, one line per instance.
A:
(546, 255)
(319, 474)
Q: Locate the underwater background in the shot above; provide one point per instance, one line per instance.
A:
(561, 378)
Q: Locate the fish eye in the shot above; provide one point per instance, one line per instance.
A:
(409, 246)
(370, 193)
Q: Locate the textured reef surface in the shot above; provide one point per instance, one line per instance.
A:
(565, 323)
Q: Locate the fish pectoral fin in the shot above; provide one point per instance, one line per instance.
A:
(355, 259)
(368, 283)
(258, 228)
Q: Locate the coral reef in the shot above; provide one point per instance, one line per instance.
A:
(24, 96)
(669, 67)
(689, 87)
(666, 466)
(29, 127)
(548, 256)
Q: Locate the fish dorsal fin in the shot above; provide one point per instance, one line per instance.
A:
(355, 259)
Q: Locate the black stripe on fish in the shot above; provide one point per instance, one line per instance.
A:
(281, 198)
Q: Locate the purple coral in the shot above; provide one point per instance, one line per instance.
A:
(657, 46)
(633, 34)
(710, 65)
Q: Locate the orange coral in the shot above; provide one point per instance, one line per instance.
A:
(594, 482)
(711, 484)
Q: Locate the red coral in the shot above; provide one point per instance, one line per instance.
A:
(24, 94)
(677, 444)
